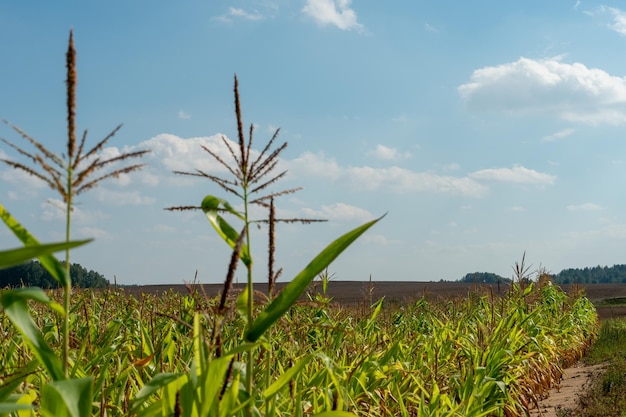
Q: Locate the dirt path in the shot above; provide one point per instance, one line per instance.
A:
(566, 396)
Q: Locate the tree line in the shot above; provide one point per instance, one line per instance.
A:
(615, 274)
(33, 274)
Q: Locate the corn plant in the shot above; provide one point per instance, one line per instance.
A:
(250, 176)
(70, 175)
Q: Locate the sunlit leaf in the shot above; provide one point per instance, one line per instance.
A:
(284, 379)
(69, 398)
(17, 256)
(210, 206)
(48, 261)
(15, 305)
(299, 284)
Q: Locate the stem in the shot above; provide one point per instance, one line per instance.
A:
(250, 359)
(67, 288)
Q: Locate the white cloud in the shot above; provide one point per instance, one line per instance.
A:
(339, 211)
(93, 232)
(389, 154)
(239, 13)
(183, 115)
(123, 198)
(430, 28)
(22, 179)
(619, 19)
(391, 178)
(517, 209)
(570, 92)
(400, 119)
(172, 153)
(584, 207)
(452, 166)
(516, 175)
(378, 239)
(559, 135)
(333, 12)
(54, 210)
(309, 163)
(403, 180)
(612, 231)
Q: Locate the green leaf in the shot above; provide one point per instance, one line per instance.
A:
(334, 414)
(17, 256)
(69, 398)
(48, 261)
(241, 304)
(159, 381)
(210, 206)
(6, 408)
(15, 305)
(286, 377)
(10, 385)
(299, 284)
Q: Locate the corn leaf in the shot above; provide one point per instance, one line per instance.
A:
(299, 284)
(69, 398)
(284, 379)
(210, 206)
(12, 257)
(48, 261)
(6, 408)
(15, 305)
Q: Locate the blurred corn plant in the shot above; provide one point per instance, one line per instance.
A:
(70, 174)
(250, 178)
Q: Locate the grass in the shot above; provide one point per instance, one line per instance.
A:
(613, 302)
(605, 395)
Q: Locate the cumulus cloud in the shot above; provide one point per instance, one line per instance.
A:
(584, 207)
(333, 12)
(316, 164)
(339, 211)
(389, 154)
(172, 153)
(559, 135)
(571, 92)
(516, 175)
(402, 180)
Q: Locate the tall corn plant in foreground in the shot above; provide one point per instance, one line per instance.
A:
(70, 175)
(250, 177)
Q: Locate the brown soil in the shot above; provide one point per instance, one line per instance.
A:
(359, 292)
(566, 395)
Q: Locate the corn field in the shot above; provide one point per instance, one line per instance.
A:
(166, 355)
(79, 353)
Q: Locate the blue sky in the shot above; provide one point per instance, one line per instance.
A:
(484, 129)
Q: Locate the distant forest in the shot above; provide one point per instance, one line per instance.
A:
(33, 274)
(615, 274)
